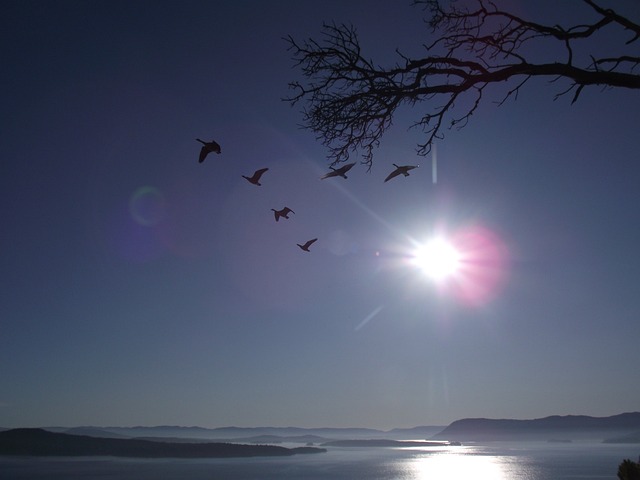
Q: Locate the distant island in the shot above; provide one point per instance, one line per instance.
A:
(382, 442)
(39, 442)
(193, 441)
(567, 428)
(249, 435)
(255, 434)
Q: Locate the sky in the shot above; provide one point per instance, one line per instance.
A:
(140, 287)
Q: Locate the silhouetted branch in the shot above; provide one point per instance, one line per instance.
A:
(350, 101)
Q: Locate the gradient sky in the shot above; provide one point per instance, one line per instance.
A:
(142, 288)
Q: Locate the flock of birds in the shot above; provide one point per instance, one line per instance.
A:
(214, 147)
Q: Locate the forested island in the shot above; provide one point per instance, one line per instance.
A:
(39, 442)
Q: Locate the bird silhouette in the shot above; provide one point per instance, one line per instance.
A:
(282, 213)
(338, 172)
(207, 148)
(400, 170)
(307, 244)
(255, 178)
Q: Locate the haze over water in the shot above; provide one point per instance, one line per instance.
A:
(499, 461)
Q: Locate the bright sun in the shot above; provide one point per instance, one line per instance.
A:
(437, 258)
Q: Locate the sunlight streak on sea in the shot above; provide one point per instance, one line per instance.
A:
(465, 466)
(468, 462)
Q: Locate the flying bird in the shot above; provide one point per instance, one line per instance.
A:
(282, 213)
(207, 148)
(255, 178)
(338, 172)
(400, 170)
(306, 246)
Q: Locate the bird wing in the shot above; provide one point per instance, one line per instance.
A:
(204, 151)
(393, 174)
(310, 242)
(258, 173)
(345, 168)
(333, 173)
(339, 171)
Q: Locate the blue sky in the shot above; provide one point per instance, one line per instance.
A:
(140, 287)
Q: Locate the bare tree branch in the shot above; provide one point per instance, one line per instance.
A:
(350, 102)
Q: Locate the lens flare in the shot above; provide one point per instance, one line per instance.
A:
(147, 206)
(483, 265)
(469, 263)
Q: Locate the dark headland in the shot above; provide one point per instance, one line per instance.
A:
(39, 442)
(569, 427)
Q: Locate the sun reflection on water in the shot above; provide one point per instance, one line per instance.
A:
(451, 465)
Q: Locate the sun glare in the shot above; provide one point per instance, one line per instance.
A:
(470, 264)
(438, 259)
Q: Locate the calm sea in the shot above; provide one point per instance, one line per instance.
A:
(504, 461)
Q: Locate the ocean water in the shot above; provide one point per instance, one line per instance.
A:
(498, 461)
